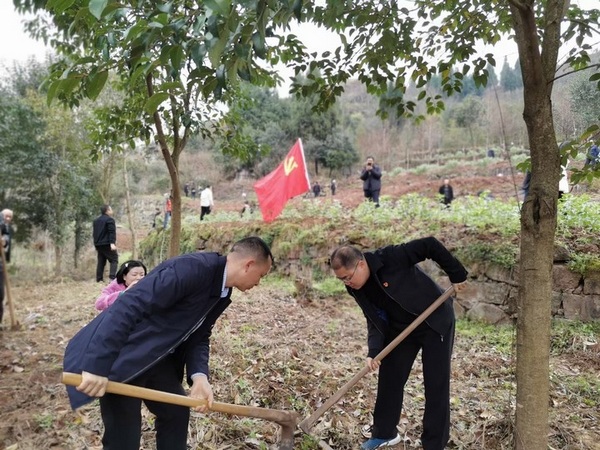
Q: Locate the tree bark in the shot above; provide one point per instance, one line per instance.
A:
(172, 165)
(129, 212)
(107, 170)
(538, 222)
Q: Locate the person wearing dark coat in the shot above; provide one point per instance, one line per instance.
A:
(105, 241)
(6, 216)
(316, 189)
(371, 176)
(447, 193)
(158, 329)
(392, 291)
(526, 184)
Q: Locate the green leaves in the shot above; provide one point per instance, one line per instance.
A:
(155, 101)
(596, 77)
(96, 7)
(59, 6)
(96, 83)
(221, 7)
(258, 44)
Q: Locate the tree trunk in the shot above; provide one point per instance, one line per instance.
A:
(129, 213)
(78, 240)
(57, 260)
(538, 223)
(172, 161)
(108, 163)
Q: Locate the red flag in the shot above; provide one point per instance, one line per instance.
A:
(286, 181)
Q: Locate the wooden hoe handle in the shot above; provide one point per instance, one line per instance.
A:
(274, 415)
(308, 423)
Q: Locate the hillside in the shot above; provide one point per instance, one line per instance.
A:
(273, 348)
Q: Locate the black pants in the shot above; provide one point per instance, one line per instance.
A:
(373, 196)
(393, 374)
(204, 211)
(122, 416)
(106, 254)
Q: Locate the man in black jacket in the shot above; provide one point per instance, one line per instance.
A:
(105, 241)
(446, 192)
(392, 291)
(371, 176)
(6, 216)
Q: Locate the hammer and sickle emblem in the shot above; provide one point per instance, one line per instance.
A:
(289, 164)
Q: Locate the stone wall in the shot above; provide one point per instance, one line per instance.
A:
(491, 295)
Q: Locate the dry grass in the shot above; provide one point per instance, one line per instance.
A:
(269, 351)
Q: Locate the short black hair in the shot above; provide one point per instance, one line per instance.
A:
(345, 256)
(126, 267)
(104, 208)
(253, 245)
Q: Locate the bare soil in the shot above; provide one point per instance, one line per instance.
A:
(269, 349)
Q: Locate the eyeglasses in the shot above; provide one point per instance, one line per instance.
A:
(347, 278)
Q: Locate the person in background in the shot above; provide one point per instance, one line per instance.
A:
(563, 185)
(105, 241)
(526, 184)
(186, 189)
(128, 275)
(371, 176)
(6, 217)
(392, 291)
(333, 187)
(193, 191)
(246, 209)
(156, 333)
(316, 189)
(446, 192)
(168, 210)
(593, 156)
(206, 202)
(156, 219)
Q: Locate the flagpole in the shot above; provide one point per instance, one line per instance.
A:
(304, 162)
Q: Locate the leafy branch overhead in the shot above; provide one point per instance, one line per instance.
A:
(202, 48)
(396, 50)
(173, 62)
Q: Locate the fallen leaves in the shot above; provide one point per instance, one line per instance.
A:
(268, 351)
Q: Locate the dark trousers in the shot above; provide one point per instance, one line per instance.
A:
(106, 254)
(204, 211)
(122, 416)
(372, 196)
(393, 374)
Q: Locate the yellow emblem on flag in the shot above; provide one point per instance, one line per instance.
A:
(289, 164)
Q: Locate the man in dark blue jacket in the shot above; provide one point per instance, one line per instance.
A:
(105, 240)
(152, 333)
(392, 291)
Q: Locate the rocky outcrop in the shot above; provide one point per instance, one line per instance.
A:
(491, 295)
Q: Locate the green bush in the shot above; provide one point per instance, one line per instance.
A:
(480, 229)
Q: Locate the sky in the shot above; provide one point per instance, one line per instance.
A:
(16, 44)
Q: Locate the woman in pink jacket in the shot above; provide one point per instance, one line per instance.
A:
(130, 273)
